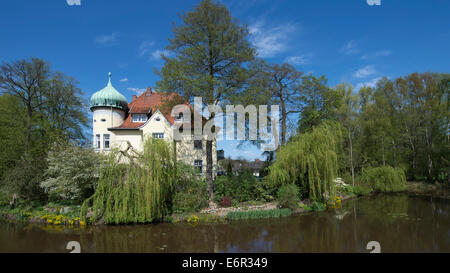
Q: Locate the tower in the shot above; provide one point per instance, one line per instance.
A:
(109, 109)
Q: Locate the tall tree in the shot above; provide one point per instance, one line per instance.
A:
(423, 113)
(347, 115)
(65, 106)
(280, 85)
(12, 133)
(25, 79)
(209, 52)
(319, 102)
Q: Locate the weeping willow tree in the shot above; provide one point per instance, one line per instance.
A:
(138, 191)
(309, 160)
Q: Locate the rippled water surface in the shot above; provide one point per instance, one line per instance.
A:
(400, 223)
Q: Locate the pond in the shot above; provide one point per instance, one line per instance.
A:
(399, 222)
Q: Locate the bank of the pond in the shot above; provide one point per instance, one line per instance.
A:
(50, 214)
(426, 188)
(65, 215)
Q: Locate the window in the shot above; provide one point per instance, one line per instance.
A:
(103, 120)
(158, 135)
(198, 164)
(106, 141)
(179, 117)
(198, 144)
(139, 117)
(97, 142)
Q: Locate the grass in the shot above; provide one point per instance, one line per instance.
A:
(258, 214)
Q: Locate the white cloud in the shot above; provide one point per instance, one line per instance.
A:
(298, 60)
(372, 83)
(123, 80)
(107, 39)
(381, 53)
(73, 2)
(145, 47)
(156, 55)
(350, 48)
(146, 50)
(271, 40)
(138, 91)
(365, 71)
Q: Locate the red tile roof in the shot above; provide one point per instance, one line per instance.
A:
(148, 103)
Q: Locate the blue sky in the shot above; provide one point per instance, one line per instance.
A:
(347, 40)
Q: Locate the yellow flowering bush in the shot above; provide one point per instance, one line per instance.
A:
(193, 219)
(334, 203)
(64, 220)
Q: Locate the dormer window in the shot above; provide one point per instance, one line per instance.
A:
(139, 117)
(179, 117)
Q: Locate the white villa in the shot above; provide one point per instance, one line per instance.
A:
(117, 122)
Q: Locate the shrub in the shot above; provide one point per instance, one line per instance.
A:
(361, 190)
(317, 206)
(258, 214)
(225, 202)
(222, 187)
(288, 196)
(4, 198)
(190, 192)
(72, 172)
(241, 188)
(347, 177)
(24, 180)
(384, 179)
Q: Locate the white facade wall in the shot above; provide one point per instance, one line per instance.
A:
(186, 152)
(102, 119)
(134, 137)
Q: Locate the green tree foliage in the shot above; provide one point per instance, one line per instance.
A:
(242, 187)
(209, 52)
(23, 180)
(26, 80)
(288, 196)
(319, 102)
(310, 161)
(384, 179)
(72, 172)
(139, 191)
(190, 194)
(347, 115)
(404, 123)
(65, 106)
(12, 132)
(38, 106)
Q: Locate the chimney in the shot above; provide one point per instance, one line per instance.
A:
(149, 90)
(133, 97)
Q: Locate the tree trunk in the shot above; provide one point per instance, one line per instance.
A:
(209, 170)
(28, 133)
(351, 158)
(283, 121)
(429, 153)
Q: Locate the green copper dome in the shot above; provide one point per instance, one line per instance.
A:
(109, 97)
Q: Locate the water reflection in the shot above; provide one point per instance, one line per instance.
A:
(399, 222)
